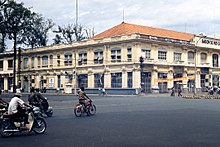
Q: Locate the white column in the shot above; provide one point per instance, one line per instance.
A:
(6, 83)
(124, 79)
(170, 83)
(107, 79)
(90, 80)
(198, 81)
(5, 65)
(136, 79)
(37, 80)
(154, 85)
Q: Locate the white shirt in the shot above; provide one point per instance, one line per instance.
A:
(13, 105)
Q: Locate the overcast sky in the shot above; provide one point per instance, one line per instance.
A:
(192, 16)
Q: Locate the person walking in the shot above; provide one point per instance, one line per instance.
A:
(104, 92)
(179, 91)
(172, 92)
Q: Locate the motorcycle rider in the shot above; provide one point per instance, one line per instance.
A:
(37, 99)
(82, 97)
(13, 109)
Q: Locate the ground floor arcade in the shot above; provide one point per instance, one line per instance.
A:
(149, 79)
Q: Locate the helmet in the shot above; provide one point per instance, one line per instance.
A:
(18, 93)
(82, 88)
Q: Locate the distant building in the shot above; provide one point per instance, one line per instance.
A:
(125, 59)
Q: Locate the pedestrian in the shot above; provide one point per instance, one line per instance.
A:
(103, 91)
(172, 92)
(218, 90)
(179, 91)
(100, 91)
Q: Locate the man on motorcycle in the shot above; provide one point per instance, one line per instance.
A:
(37, 99)
(82, 97)
(13, 108)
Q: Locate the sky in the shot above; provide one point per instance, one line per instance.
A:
(191, 16)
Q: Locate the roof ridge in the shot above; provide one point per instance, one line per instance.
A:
(157, 28)
(128, 28)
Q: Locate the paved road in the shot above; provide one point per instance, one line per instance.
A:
(128, 121)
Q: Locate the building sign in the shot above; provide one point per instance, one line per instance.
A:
(174, 79)
(51, 82)
(211, 42)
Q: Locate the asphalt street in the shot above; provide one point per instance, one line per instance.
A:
(128, 121)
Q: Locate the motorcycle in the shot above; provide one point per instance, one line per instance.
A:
(90, 109)
(45, 104)
(35, 123)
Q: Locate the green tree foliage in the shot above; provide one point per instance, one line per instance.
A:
(3, 23)
(58, 39)
(15, 20)
(70, 33)
(36, 33)
(21, 25)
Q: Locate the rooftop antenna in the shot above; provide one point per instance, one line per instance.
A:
(123, 16)
(76, 13)
(214, 24)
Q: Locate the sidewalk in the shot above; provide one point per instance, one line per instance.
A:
(141, 94)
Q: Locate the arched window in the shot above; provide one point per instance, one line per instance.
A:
(82, 58)
(116, 80)
(68, 59)
(98, 57)
(215, 60)
(129, 53)
(146, 53)
(38, 61)
(191, 56)
(203, 57)
(25, 63)
(32, 62)
(116, 54)
(58, 60)
(51, 60)
(45, 61)
(162, 54)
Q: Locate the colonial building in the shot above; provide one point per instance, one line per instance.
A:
(125, 59)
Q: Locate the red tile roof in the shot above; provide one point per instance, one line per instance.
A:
(125, 28)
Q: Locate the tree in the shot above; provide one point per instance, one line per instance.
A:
(58, 39)
(70, 33)
(2, 26)
(21, 25)
(36, 33)
(15, 16)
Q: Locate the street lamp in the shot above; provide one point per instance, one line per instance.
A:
(75, 74)
(19, 67)
(141, 60)
(195, 71)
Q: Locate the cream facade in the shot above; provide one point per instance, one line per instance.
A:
(114, 63)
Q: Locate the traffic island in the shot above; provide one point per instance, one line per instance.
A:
(200, 96)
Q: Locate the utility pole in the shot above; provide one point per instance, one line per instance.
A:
(14, 66)
(19, 67)
(76, 13)
(195, 52)
(141, 60)
(195, 73)
(75, 74)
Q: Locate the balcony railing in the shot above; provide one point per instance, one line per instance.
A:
(178, 62)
